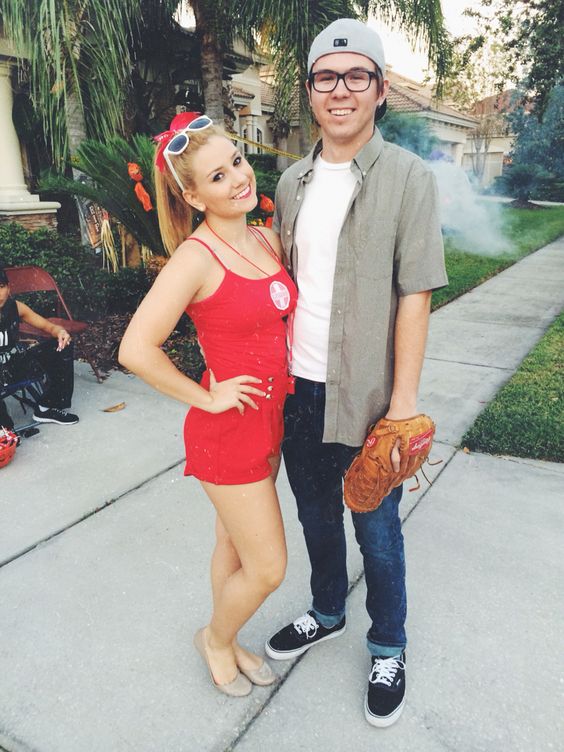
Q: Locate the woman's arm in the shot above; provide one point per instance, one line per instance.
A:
(140, 350)
(34, 319)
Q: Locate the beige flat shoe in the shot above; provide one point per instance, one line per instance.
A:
(239, 687)
(261, 676)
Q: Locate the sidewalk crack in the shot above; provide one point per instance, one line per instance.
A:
(465, 363)
(105, 505)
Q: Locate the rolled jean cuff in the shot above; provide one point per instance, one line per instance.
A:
(383, 651)
(327, 620)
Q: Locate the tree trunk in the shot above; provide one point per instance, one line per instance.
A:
(76, 126)
(281, 162)
(306, 124)
(76, 134)
(211, 59)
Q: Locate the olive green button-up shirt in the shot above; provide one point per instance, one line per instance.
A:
(390, 245)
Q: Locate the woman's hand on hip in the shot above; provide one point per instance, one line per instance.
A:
(233, 392)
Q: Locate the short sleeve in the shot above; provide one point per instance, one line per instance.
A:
(419, 261)
(277, 218)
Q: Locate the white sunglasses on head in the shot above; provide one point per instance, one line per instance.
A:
(179, 143)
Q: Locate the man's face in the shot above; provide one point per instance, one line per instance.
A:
(346, 116)
(4, 294)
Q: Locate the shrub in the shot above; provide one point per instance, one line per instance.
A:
(89, 291)
(409, 131)
(263, 162)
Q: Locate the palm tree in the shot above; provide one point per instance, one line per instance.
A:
(288, 32)
(77, 56)
(81, 52)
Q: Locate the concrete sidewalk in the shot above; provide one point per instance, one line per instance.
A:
(104, 558)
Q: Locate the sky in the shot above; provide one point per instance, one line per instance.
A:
(399, 54)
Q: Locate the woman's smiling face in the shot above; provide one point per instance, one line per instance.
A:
(223, 181)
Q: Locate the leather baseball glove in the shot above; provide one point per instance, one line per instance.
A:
(371, 476)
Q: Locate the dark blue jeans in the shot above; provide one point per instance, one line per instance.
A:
(315, 471)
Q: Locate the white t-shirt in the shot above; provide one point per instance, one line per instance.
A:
(318, 227)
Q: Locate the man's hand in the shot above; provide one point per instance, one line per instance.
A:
(399, 412)
(63, 338)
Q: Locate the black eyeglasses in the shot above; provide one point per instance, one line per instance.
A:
(356, 79)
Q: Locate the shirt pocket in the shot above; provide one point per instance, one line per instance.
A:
(373, 249)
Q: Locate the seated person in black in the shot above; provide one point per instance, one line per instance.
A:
(54, 357)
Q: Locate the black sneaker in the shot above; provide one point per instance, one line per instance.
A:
(386, 691)
(54, 415)
(296, 638)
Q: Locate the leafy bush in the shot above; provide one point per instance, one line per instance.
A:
(526, 181)
(89, 291)
(409, 131)
(537, 169)
(267, 180)
(263, 162)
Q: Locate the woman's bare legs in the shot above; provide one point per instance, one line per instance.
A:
(225, 561)
(248, 563)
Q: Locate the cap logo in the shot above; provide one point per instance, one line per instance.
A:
(340, 42)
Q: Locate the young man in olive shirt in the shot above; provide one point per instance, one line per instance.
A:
(359, 222)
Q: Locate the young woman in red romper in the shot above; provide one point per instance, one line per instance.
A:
(229, 279)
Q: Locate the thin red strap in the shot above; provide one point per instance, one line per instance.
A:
(213, 253)
(264, 242)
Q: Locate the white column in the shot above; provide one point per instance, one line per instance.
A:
(12, 183)
(251, 134)
(14, 194)
(458, 151)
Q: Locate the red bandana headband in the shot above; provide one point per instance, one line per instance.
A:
(177, 124)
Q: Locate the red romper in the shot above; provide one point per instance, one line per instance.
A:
(241, 331)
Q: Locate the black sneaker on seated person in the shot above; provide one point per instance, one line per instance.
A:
(385, 698)
(54, 415)
(299, 636)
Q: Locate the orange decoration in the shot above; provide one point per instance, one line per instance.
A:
(134, 172)
(268, 222)
(143, 197)
(266, 204)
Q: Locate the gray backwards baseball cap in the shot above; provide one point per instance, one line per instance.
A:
(348, 35)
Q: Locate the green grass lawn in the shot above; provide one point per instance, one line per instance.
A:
(526, 418)
(526, 230)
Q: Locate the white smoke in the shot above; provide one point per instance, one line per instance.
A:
(475, 224)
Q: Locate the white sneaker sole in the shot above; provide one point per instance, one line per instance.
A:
(382, 721)
(287, 655)
(39, 419)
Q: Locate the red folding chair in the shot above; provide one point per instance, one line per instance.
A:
(26, 279)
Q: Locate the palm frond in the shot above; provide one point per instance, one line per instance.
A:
(111, 187)
(78, 59)
(422, 21)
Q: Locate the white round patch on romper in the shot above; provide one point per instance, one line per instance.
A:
(280, 295)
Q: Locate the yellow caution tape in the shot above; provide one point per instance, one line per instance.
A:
(270, 149)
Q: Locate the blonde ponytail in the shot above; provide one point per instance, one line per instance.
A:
(175, 214)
